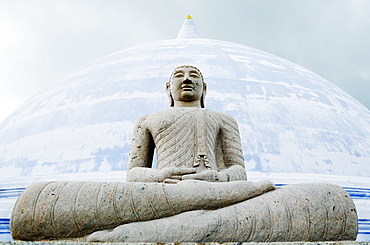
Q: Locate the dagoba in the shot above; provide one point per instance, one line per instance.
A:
(295, 126)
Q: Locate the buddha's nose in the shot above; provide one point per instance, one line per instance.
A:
(187, 81)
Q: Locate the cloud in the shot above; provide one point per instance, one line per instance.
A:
(44, 41)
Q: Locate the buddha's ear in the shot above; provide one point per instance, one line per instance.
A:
(168, 91)
(203, 97)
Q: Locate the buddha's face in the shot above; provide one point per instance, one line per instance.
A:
(186, 84)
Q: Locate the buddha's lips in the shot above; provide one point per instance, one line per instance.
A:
(187, 87)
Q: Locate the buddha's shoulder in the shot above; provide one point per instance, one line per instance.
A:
(181, 111)
(220, 115)
(173, 111)
(159, 116)
(166, 113)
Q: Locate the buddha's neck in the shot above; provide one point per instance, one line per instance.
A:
(195, 104)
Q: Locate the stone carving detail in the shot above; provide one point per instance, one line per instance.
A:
(57, 210)
(314, 212)
(199, 192)
(195, 142)
(189, 138)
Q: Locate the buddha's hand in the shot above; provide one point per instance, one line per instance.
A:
(166, 175)
(173, 175)
(207, 175)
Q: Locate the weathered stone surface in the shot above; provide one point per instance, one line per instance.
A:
(55, 210)
(191, 142)
(308, 212)
(194, 147)
(304, 212)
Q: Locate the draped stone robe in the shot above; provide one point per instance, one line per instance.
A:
(189, 138)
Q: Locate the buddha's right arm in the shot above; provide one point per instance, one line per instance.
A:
(142, 145)
(141, 154)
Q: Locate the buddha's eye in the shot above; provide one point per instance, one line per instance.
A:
(178, 75)
(194, 75)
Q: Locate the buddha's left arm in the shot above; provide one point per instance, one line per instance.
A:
(232, 149)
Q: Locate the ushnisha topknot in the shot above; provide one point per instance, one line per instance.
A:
(168, 84)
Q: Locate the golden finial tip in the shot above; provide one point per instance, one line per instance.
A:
(188, 17)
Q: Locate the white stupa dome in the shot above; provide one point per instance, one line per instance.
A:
(295, 126)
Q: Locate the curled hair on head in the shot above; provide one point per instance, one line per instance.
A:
(168, 84)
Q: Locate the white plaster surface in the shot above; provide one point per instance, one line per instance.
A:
(295, 126)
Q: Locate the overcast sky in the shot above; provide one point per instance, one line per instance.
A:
(43, 41)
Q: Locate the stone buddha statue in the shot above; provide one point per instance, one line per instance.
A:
(191, 142)
(198, 193)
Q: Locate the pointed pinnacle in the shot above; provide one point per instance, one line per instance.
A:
(188, 29)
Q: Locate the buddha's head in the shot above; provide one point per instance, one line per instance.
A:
(187, 85)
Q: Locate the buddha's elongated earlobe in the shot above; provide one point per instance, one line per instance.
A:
(168, 91)
(203, 97)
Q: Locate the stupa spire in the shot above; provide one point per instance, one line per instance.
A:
(188, 29)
